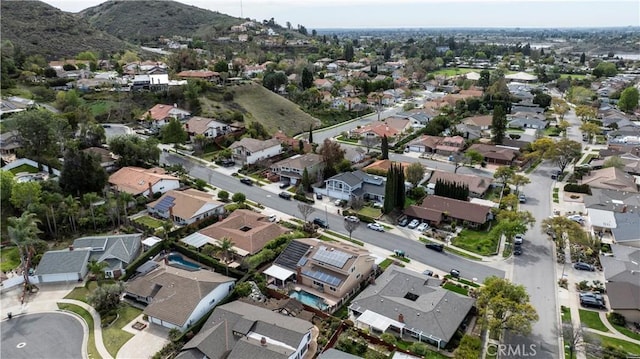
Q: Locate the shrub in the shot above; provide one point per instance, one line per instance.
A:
(223, 196)
(577, 188)
(418, 348)
(389, 338)
(303, 198)
(617, 319)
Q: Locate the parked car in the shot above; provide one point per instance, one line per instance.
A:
(592, 302)
(576, 218)
(375, 227)
(518, 239)
(413, 224)
(285, 195)
(352, 219)
(584, 266)
(435, 246)
(594, 295)
(273, 218)
(428, 272)
(338, 202)
(517, 249)
(318, 195)
(398, 253)
(403, 222)
(377, 205)
(422, 227)
(247, 181)
(321, 223)
(284, 185)
(228, 163)
(555, 174)
(455, 273)
(522, 198)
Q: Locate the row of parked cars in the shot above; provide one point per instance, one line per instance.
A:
(413, 224)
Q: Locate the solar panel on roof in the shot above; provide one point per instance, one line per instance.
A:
(323, 277)
(335, 258)
(291, 255)
(165, 203)
(302, 261)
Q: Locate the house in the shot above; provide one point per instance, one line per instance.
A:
(160, 115)
(495, 154)
(249, 231)
(356, 184)
(469, 132)
(65, 265)
(391, 127)
(142, 181)
(524, 120)
(291, 169)
(207, 127)
(419, 117)
(381, 167)
(621, 271)
(15, 104)
(416, 307)
(107, 158)
(9, 143)
(186, 207)
(483, 122)
(627, 223)
(478, 185)
(240, 330)
(436, 209)
(333, 271)
(292, 143)
(248, 151)
(205, 75)
(425, 144)
(117, 251)
(354, 154)
(450, 145)
(610, 178)
(177, 298)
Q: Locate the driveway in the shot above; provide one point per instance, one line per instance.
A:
(39, 336)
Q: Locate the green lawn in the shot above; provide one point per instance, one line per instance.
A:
(592, 320)
(24, 168)
(370, 212)
(386, 263)
(452, 287)
(552, 131)
(9, 258)
(565, 314)
(81, 293)
(588, 158)
(625, 331)
(480, 242)
(113, 336)
(629, 347)
(346, 238)
(347, 139)
(149, 222)
(101, 107)
(86, 316)
(573, 76)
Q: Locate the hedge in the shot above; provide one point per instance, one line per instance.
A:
(304, 199)
(577, 188)
(143, 258)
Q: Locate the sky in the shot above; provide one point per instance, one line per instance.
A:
(319, 14)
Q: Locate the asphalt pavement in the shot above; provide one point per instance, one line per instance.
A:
(388, 241)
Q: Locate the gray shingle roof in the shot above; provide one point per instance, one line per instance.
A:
(348, 178)
(627, 227)
(63, 261)
(336, 354)
(117, 251)
(436, 311)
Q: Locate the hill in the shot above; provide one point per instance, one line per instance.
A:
(144, 21)
(259, 104)
(39, 28)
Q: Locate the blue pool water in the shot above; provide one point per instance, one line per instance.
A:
(309, 299)
(177, 261)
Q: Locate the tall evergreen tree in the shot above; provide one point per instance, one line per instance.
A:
(389, 191)
(583, 58)
(306, 180)
(400, 193)
(499, 124)
(307, 79)
(384, 147)
(310, 133)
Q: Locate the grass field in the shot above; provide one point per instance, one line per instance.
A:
(24, 168)
(629, 347)
(91, 345)
(573, 76)
(452, 287)
(454, 71)
(113, 336)
(480, 242)
(81, 293)
(9, 258)
(101, 107)
(592, 320)
(370, 212)
(149, 221)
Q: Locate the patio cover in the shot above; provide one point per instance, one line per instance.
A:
(377, 321)
(151, 241)
(278, 272)
(196, 240)
(602, 219)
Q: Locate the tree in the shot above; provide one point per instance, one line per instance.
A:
(370, 141)
(221, 66)
(23, 231)
(134, 151)
(239, 197)
(225, 248)
(384, 147)
(586, 113)
(173, 132)
(579, 95)
(614, 161)
(564, 152)
(106, 298)
(90, 199)
(307, 79)
(498, 124)
(82, 173)
(505, 306)
(305, 210)
(415, 173)
(583, 58)
(394, 190)
(519, 180)
(331, 153)
(483, 82)
(223, 196)
(348, 52)
(607, 69)
(6, 184)
(542, 99)
(590, 129)
(351, 226)
(572, 338)
(563, 125)
(97, 268)
(628, 99)
(560, 107)
(310, 134)
(470, 347)
(35, 131)
(25, 193)
(503, 174)
(306, 180)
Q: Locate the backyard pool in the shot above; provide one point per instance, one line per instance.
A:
(176, 260)
(309, 299)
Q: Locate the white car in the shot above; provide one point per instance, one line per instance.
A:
(353, 219)
(422, 227)
(375, 227)
(518, 239)
(576, 218)
(413, 224)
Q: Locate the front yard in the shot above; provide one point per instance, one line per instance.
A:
(9, 259)
(370, 212)
(481, 242)
(591, 319)
(113, 336)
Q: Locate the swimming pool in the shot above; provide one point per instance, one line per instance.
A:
(176, 260)
(309, 299)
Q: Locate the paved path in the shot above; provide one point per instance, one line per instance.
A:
(614, 332)
(97, 327)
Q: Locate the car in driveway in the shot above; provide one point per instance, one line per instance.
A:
(422, 227)
(413, 224)
(435, 246)
(592, 302)
(284, 185)
(403, 222)
(594, 295)
(247, 181)
(584, 266)
(228, 163)
(353, 219)
(518, 239)
(576, 218)
(321, 223)
(375, 227)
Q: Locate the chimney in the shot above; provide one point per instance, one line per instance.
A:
(299, 274)
(401, 318)
(70, 247)
(171, 213)
(150, 191)
(263, 341)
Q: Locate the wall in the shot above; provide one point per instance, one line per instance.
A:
(218, 294)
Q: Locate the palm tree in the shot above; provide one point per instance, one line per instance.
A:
(24, 231)
(72, 210)
(90, 199)
(126, 198)
(167, 226)
(97, 268)
(225, 247)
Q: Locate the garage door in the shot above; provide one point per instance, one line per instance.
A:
(59, 277)
(416, 148)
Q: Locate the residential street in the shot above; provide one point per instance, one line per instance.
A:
(414, 249)
(321, 134)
